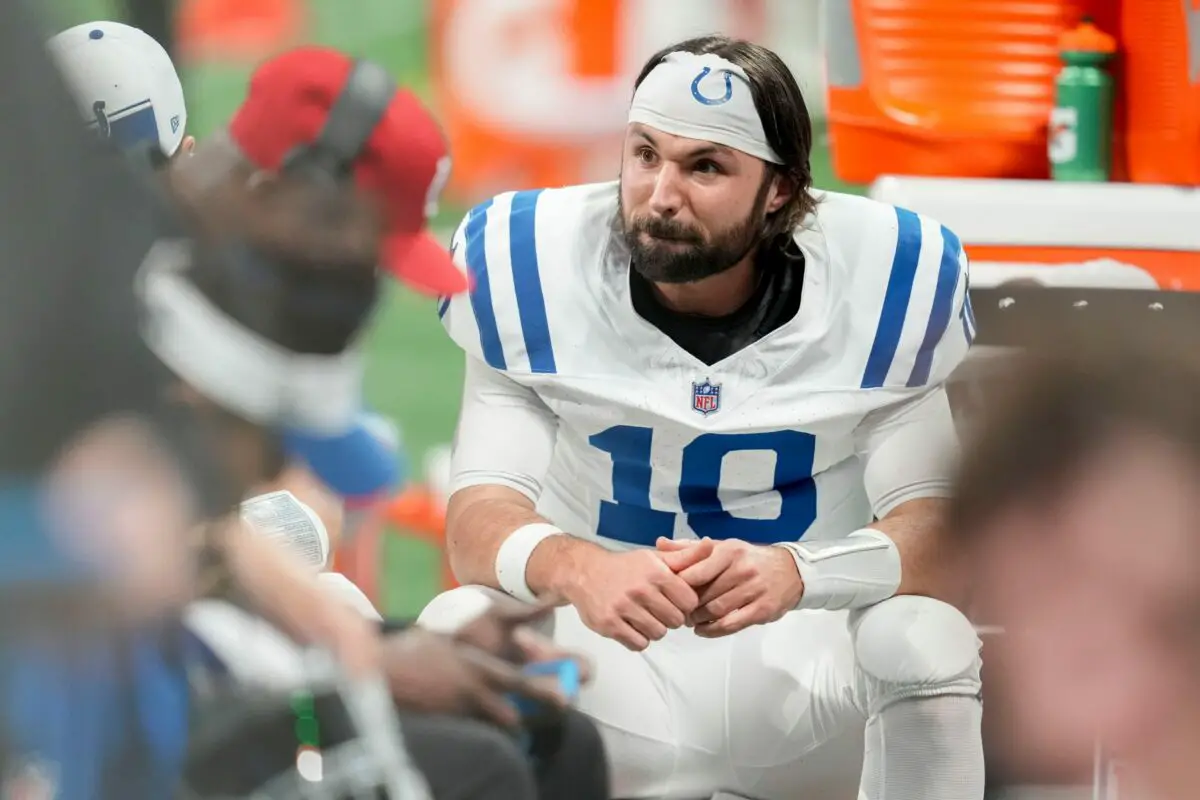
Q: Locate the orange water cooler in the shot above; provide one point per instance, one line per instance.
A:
(1160, 41)
(950, 88)
(942, 87)
(941, 104)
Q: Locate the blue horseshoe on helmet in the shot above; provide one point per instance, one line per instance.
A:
(709, 101)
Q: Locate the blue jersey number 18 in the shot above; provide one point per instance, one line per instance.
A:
(629, 517)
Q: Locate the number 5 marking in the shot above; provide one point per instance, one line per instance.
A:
(629, 517)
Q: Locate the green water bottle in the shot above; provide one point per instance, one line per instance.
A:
(1080, 137)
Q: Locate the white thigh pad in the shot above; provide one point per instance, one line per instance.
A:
(343, 590)
(910, 646)
(451, 611)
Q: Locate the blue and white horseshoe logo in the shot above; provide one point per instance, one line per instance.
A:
(709, 101)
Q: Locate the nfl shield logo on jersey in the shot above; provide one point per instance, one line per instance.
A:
(706, 397)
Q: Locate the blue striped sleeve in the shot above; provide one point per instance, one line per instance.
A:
(499, 243)
(951, 273)
(895, 301)
(481, 291)
(527, 282)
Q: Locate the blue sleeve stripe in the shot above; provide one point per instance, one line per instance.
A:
(895, 300)
(442, 307)
(481, 294)
(943, 307)
(527, 281)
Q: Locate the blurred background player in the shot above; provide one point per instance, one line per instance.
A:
(704, 413)
(1079, 501)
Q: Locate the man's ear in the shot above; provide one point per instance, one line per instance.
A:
(187, 146)
(782, 190)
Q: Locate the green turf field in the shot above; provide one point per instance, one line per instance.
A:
(414, 371)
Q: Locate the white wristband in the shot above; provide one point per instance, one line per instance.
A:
(513, 557)
(855, 572)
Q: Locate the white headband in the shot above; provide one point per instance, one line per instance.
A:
(235, 367)
(702, 97)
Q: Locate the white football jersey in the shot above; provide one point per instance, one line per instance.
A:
(766, 445)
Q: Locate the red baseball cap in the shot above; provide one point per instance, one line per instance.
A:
(404, 162)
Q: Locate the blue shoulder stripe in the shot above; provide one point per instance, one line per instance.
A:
(527, 281)
(481, 293)
(943, 307)
(895, 300)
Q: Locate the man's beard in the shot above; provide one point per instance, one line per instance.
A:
(679, 253)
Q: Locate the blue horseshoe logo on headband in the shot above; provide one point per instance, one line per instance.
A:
(709, 101)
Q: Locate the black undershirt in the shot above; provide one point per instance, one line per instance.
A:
(775, 301)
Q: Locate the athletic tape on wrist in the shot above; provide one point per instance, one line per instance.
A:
(858, 571)
(513, 557)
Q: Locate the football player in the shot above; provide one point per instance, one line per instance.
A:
(704, 413)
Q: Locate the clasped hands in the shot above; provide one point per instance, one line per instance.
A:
(715, 587)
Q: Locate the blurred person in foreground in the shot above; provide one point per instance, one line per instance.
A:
(704, 414)
(129, 92)
(1080, 501)
(104, 711)
(130, 95)
(118, 67)
(77, 224)
(106, 467)
(315, 117)
(94, 699)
